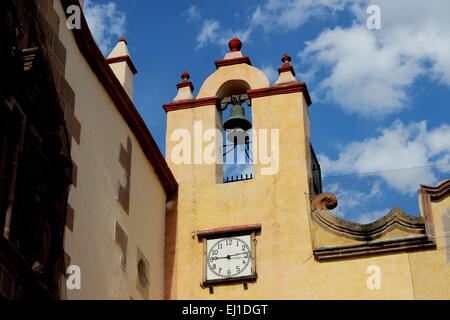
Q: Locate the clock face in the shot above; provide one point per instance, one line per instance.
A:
(229, 257)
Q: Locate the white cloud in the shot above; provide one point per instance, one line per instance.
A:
(274, 15)
(398, 146)
(371, 71)
(282, 15)
(372, 216)
(361, 77)
(439, 140)
(349, 199)
(208, 33)
(106, 22)
(368, 72)
(192, 13)
(270, 72)
(212, 32)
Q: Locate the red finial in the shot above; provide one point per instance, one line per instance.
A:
(286, 58)
(123, 39)
(185, 76)
(286, 65)
(235, 44)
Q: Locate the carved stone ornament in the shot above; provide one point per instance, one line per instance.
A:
(395, 219)
(324, 201)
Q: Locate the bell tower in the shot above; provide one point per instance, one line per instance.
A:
(255, 229)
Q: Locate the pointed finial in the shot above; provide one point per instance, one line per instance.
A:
(185, 88)
(120, 56)
(122, 39)
(286, 58)
(235, 44)
(286, 72)
(185, 76)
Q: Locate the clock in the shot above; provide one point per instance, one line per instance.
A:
(229, 259)
(229, 254)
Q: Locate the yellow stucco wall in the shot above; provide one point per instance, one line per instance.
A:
(280, 203)
(253, 76)
(92, 245)
(430, 270)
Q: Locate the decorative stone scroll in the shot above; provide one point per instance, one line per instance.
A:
(367, 233)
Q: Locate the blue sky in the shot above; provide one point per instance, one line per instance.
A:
(380, 97)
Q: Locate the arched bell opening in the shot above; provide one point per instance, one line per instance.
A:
(236, 124)
(232, 87)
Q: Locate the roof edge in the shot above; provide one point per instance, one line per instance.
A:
(91, 52)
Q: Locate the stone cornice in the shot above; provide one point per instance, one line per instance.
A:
(395, 219)
(185, 84)
(230, 62)
(437, 192)
(191, 103)
(371, 248)
(281, 89)
(126, 59)
(427, 194)
(286, 68)
(228, 231)
(255, 93)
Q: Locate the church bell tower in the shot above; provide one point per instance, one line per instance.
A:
(240, 234)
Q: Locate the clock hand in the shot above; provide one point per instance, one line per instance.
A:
(230, 256)
(238, 256)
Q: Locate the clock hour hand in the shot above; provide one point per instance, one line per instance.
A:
(217, 258)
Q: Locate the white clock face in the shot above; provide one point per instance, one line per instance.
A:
(229, 257)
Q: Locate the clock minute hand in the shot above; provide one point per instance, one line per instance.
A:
(237, 254)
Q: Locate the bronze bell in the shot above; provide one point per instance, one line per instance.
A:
(237, 125)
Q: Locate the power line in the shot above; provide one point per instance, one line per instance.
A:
(391, 170)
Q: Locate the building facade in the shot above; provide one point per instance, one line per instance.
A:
(293, 247)
(83, 213)
(90, 209)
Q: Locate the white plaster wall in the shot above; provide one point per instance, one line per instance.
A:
(91, 245)
(125, 76)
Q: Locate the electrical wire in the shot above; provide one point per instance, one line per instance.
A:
(390, 170)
